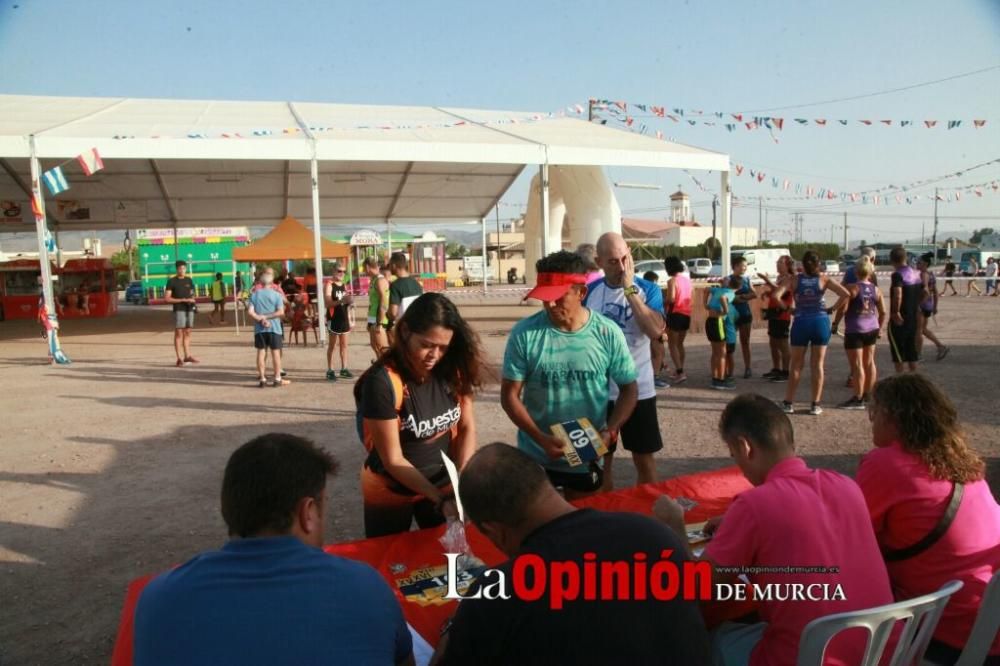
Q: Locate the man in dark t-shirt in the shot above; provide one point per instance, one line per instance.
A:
(906, 294)
(403, 290)
(509, 498)
(180, 293)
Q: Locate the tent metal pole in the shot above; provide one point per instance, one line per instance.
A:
(236, 301)
(40, 230)
(318, 246)
(727, 230)
(388, 238)
(486, 280)
(544, 177)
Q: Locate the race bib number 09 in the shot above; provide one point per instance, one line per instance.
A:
(581, 442)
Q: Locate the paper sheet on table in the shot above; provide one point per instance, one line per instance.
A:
(453, 476)
(422, 650)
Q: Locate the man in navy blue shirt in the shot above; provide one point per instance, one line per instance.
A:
(271, 595)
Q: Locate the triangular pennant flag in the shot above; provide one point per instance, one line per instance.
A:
(958, 195)
(658, 111)
(904, 123)
(36, 208)
(90, 161)
(842, 122)
(751, 126)
(673, 118)
(679, 112)
(899, 198)
(774, 181)
(55, 180)
(886, 122)
(930, 123)
(659, 134)
(629, 120)
(978, 123)
(641, 107)
(730, 126)
(739, 169)
(875, 199)
(952, 124)
(802, 121)
(578, 108)
(785, 184)
(718, 114)
(692, 122)
(753, 174)
(978, 192)
(778, 122)
(760, 176)
(738, 117)
(621, 105)
(809, 191)
(865, 122)
(821, 121)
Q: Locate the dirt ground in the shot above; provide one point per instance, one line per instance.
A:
(111, 468)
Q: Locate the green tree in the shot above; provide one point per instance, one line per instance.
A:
(977, 236)
(455, 250)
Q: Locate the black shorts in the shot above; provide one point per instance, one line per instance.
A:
(860, 340)
(678, 322)
(338, 326)
(715, 329)
(641, 432)
(903, 344)
(582, 482)
(927, 313)
(778, 328)
(745, 319)
(730, 348)
(267, 340)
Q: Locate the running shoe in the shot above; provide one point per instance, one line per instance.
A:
(729, 384)
(780, 378)
(661, 383)
(747, 374)
(679, 379)
(770, 374)
(853, 403)
(331, 375)
(284, 373)
(787, 407)
(718, 384)
(942, 352)
(345, 373)
(278, 383)
(815, 410)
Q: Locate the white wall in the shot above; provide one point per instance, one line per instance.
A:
(691, 236)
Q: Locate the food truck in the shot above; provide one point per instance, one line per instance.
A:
(86, 288)
(20, 288)
(207, 250)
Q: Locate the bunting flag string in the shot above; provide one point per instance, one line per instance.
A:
(55, 180)
(620, 110)
(575, 109)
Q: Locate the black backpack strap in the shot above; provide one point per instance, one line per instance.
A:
(957, 490)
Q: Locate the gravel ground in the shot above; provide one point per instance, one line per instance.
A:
(111, 468)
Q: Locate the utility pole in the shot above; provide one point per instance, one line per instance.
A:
(715, 201)
(499, 245)
(845, 233)
(934, 239)
(590, 110)
(760, 217)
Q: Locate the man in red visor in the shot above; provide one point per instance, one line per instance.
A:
(558, 366)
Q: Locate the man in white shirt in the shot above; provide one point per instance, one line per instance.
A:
(636, 305)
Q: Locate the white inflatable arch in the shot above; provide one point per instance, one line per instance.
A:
(581, 202)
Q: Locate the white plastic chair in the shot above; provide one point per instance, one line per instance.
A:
(919, 616)
(985, 629)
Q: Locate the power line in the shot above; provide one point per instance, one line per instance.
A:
(875, 94)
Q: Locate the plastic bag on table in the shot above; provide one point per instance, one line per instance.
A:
(454, 541)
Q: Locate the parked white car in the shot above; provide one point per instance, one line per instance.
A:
(830, 266)
(655, 265)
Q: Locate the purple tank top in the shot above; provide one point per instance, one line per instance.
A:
(862, 314)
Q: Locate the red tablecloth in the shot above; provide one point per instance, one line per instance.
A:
(401, 558)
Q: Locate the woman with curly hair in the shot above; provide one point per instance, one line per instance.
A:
(415, 403)
(933, 514)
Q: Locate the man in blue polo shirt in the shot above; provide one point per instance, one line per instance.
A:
(271, 595)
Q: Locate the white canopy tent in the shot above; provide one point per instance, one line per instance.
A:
(180, 163)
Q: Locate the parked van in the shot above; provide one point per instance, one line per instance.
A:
(700, 267)
(962, 258)
(761, 260)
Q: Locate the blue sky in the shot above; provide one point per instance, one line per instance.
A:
(544, 56)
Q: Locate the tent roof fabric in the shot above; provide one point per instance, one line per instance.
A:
(196, 163)
(289, 240)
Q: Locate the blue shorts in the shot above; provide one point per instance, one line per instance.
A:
(812, 331)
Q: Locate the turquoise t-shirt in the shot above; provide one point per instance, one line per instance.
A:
(565, 375)
(714, 303)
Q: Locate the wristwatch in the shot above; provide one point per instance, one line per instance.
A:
(631, 291)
